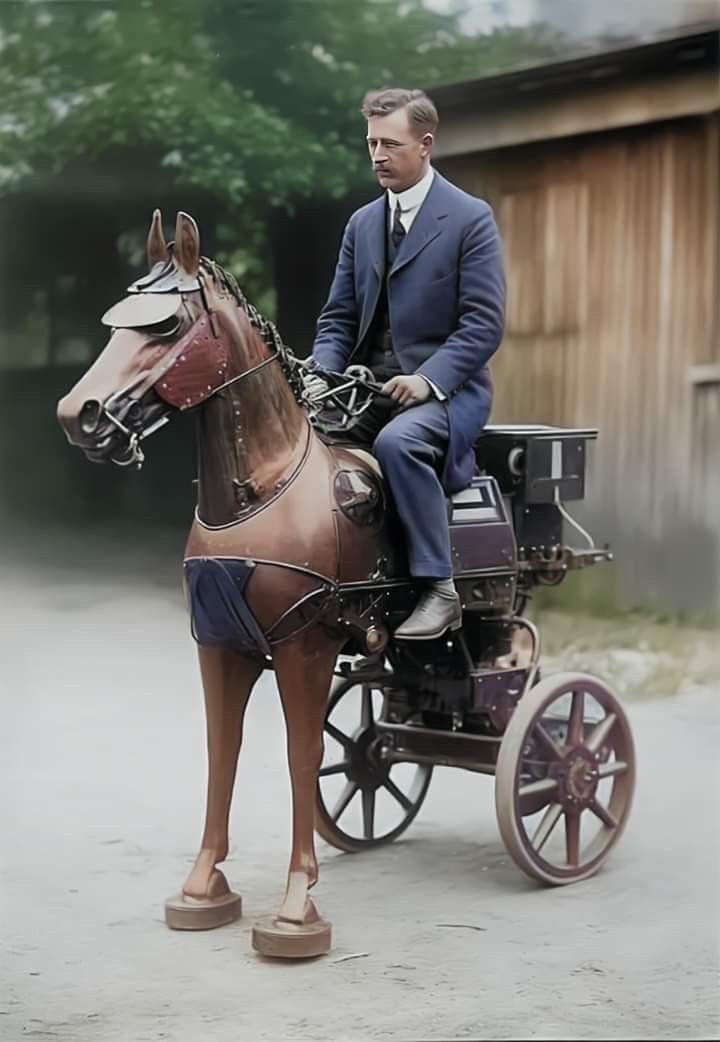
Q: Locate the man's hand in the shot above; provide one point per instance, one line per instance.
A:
(315, 385)
(407, 390)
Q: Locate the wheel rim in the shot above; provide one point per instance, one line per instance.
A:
(363, 800)
(569, 762)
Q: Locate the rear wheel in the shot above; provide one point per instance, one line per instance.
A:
(363, 800)
(565, 778)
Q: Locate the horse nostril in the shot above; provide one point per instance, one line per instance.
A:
(134, 416)
(89, 417)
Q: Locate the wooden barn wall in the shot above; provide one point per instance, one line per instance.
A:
(612, 252)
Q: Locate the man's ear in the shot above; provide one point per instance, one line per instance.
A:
(427, 143)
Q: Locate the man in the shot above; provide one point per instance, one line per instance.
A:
(418, 296)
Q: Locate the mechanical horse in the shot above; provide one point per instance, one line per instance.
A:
(295, 556)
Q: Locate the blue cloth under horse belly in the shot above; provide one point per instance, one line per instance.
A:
(219, 611)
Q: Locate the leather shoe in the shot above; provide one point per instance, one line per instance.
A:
(434, 614)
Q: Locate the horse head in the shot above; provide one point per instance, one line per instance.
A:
(180, 335)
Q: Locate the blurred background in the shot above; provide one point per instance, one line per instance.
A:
(593, 130)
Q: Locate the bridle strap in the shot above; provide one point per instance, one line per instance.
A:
(249, 372)
(151, 379)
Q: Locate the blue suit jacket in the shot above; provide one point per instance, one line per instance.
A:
(446, 293)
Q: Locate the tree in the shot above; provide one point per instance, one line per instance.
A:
(253, 98)
(254, 102)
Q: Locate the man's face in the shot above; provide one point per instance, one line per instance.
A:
(399, 157)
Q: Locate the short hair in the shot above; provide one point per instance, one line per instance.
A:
(422, 114)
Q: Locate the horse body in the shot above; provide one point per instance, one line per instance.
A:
(282, 521)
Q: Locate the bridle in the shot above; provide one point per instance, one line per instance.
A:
(169, 377)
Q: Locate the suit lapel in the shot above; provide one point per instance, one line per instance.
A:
(373, 238)
(376, 235)
(426, 226)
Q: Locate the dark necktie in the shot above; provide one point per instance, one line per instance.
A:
(397, 232)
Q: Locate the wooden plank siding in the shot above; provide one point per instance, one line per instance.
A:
(612, 244)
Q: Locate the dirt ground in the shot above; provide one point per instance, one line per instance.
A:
(438, 936)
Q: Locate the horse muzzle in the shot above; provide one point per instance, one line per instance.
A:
(111, 430)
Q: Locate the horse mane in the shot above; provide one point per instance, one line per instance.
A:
(267, 329)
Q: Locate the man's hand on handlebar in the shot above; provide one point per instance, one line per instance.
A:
(315, 385)
(404, 390)
(407, 390)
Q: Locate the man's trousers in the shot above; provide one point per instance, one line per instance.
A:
(410, 445)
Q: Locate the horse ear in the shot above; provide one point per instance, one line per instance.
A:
(187, 243)
(157, 251)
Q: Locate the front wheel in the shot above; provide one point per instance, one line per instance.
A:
(363, 800)
(565, 778)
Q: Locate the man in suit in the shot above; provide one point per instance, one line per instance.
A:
(418, 296)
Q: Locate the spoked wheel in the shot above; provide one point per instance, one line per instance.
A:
(363, 800)
(565, 778)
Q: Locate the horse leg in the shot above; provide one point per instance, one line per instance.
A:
(206, 900)
(304, 671)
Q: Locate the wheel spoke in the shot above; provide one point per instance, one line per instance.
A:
(600, 732)
(536, 795)
(338, 735)
(345, 796)
(368, 808)
(577, 716)
(608, 770)
(334, 768)
(550, 744)
(548, 823)
(366, 711)
(399, 795)
(540, 786)
(604, 814)
(572, 838)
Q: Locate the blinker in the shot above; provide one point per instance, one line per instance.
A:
(141, 309)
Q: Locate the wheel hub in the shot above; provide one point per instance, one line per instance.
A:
(579, 778)
(367, 768)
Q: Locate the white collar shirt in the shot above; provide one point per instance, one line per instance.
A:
(410, 200)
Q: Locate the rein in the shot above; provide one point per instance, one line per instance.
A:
(249, 372)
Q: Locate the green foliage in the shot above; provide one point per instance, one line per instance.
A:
(241, 106)
(254, 101)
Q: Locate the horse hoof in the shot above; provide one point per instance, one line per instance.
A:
(206, 913)
(280, 938)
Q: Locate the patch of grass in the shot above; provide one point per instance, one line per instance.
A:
(638, 653)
